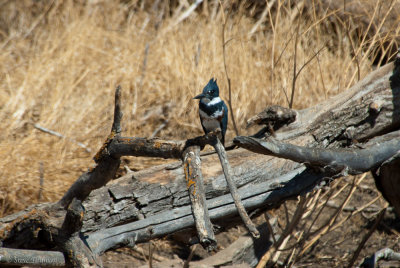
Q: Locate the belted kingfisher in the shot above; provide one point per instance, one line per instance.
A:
(212, 110)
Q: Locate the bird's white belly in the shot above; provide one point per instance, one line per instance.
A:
(211, 124)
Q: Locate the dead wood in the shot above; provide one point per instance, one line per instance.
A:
(386, 254)
(354, 161)
(137, 208)
(195, 186)
(219, 148)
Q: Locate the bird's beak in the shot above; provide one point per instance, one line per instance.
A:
(200, 96)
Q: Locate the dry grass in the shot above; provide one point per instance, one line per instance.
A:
(60, 62)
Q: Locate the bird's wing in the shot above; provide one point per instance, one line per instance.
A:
(224, 121)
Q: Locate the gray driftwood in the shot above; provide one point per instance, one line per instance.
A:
(153, 203)
(195, 187)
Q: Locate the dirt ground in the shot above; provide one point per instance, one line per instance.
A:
(334, 249)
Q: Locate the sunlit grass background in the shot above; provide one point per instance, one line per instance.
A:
(60, 62)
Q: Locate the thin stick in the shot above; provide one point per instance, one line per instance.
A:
(294, 65)
(226, 72)
(159, 128)
(288, 230)
(150, 255)
(41, 180)
(366, 237)
(57, 134)
(219, 148)
(189, 259)
(270, 229)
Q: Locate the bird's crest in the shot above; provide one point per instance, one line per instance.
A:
(212, 84)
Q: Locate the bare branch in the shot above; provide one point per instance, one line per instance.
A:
(356, 161)
(195, 186)
(232, 188)
(366, 237)
(228, 79)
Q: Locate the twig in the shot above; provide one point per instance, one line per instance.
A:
(329, 224)
(270, 229)
(76, 250)
(187, 13)
(57, 134)
(296, 74)
(116, 126)
(141, 81)
(197, 56)
(155, 256)
(189, 259)
(288, 230)
(219, 148)
(159, 128)
(39, 19)
(366, 237)
(41, 180)
(294, 65)
(150, 254)
(226, 71)
(195, 186)
(263, 16)
(332, 204)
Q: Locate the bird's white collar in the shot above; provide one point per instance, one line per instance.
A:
(212, 102)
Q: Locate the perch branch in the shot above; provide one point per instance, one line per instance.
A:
(219, 148)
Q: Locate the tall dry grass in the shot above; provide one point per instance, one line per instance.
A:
(60, 62)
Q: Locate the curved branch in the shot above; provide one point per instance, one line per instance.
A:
(354, 160)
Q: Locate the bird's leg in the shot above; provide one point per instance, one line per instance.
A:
(215, 133)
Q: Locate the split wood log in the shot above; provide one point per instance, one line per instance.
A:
(137, 208)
